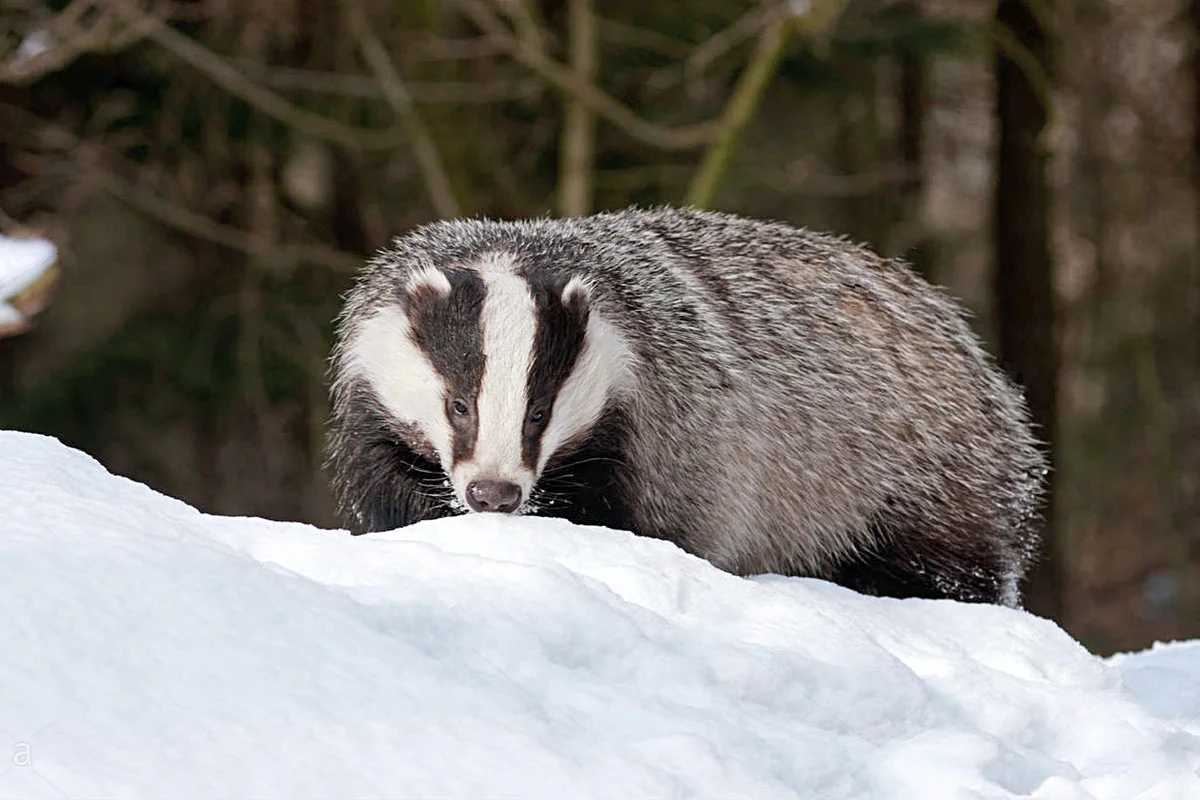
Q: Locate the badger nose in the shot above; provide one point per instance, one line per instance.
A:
(499, 496)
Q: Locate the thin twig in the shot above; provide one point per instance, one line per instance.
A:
(429, 160)
(527, 20)
(296, 79)
(224, 74)
(627, 35)
(441, 49)
(725, 40)
(567, 80)
(202, 227)
(72, 32)
(817, 19)
(1010, 45)
(738, 111)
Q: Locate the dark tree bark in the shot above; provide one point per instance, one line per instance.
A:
(1189, 504)
(1024, 267)
(1194, 14)
(1194, 306)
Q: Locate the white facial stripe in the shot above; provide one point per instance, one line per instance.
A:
(602, 368)
(401, 374)
(509, 322)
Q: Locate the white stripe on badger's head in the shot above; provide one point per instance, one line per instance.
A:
(509, 324)
(419, 354)
(404, 379)
(601, 368)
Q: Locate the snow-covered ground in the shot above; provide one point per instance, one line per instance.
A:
(148, 650)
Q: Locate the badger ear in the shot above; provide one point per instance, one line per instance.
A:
(425, 285)
(577, 295)
(576, 299)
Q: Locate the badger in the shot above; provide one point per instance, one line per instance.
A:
(768, 398)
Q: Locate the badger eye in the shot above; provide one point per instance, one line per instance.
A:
(459, 407)
(537, 417)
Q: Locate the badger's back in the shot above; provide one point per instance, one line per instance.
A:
(795, 404)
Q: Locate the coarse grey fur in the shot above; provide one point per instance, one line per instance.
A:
(797, 404)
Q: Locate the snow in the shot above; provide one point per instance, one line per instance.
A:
(34, 45)
(148, 650)
(10, 316)
(22, 262)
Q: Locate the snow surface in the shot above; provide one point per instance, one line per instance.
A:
(148, 650)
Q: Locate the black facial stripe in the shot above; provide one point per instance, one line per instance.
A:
(586, 480)
(556, 346)
(449, 329)
(379, 465)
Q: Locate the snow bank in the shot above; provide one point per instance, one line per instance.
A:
(148, 650)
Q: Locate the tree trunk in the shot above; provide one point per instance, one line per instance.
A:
(1024, 285)
(577, 151)
(1194, 9)
(1194, 305)
(1190, 501)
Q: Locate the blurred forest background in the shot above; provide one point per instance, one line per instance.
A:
(214, 171)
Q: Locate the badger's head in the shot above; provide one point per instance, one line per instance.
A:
(486, 370)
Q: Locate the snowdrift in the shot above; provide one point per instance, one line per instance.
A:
(148, 650)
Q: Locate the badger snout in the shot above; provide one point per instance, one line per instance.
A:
(501, 497)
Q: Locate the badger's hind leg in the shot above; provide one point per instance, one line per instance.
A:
(908, 560)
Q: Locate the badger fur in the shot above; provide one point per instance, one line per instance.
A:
(768, 398)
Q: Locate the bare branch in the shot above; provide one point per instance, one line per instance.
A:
(632, 36)
(725, 40)
(78, 29)
(527, 20)
(1012, 47)
(429, 160)
(818, 17)
(440, 49)
(738, 111)
(225, 75)
(579, 124)
(202, 227)
(89, 161)
(568, 81)
(295, 79)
